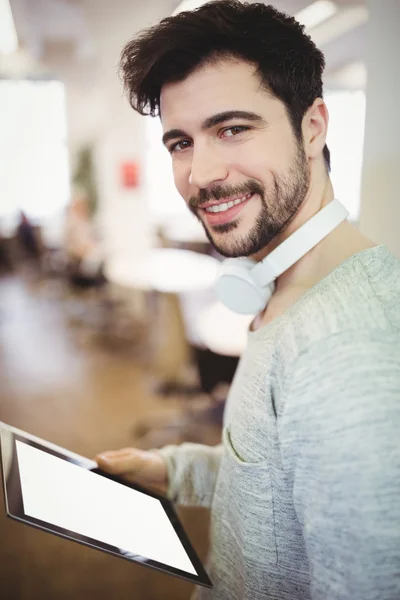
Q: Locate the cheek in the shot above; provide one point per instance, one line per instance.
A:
(262, 164)
(265, 155)
(251, 160)
(256, 167)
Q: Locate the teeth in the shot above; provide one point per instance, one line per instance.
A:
(226, 205)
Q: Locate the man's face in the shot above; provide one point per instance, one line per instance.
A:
(236, 161)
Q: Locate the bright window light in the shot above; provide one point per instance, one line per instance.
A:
(8, 35)
(34, 168)
(162, 195)
(316, 13)
(345, 141)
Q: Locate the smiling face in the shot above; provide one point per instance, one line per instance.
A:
(235, 158)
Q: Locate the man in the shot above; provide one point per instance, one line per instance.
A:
(305, 488)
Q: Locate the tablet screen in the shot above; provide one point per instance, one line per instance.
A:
(66, 498)
(66, 495)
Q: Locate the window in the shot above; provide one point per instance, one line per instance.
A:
(346, 143)
(34, 172)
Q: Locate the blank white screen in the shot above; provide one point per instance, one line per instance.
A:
(66, 495)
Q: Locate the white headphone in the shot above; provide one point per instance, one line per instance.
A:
(245, 286)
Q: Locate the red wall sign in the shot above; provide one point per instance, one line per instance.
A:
(129, 174)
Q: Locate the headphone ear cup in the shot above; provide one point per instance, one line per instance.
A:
(237, 289)
(235, 264)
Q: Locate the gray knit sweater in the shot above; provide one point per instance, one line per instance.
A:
(305, 488)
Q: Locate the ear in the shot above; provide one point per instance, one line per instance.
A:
(315, 127)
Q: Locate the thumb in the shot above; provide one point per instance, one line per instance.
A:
(134, 464)
(119, 462)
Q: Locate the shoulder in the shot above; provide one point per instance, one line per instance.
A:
(348, 354)
(347, 381)
(357, 301)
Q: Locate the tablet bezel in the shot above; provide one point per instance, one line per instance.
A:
(14, 505)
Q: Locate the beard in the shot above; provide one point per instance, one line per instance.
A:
(278, 207)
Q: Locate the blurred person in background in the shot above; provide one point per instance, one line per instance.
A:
(304, 488)
(28, 239)
(85, 255)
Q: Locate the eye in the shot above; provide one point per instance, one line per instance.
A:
(179, 146)
(234, 130)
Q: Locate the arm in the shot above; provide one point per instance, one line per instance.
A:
(192, 472)
(340, 431)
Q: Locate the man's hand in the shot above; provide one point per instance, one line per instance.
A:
(144, 467)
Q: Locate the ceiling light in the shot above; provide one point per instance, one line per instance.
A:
(8, 35)
(316, 13)
(347, 19)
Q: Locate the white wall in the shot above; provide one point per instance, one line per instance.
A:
(380, 205)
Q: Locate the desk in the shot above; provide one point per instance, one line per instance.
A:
(166, 270)
(171, 272)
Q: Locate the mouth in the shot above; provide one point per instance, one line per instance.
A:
(217, 213)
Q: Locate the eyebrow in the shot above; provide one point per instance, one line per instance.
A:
(217, 119)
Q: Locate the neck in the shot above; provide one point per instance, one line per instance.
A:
(339, 245)
(342, 243)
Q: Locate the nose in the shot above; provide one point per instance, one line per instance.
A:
(207, 167)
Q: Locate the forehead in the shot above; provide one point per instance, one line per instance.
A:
(213, 88)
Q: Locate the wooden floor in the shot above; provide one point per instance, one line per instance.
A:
(86, 398)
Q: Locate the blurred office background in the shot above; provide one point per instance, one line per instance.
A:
(110, 335)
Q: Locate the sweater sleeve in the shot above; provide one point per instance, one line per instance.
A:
(192, 472)
(339, 431)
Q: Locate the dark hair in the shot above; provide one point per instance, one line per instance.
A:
(287, 60)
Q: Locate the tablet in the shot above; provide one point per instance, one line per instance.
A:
(66, 494)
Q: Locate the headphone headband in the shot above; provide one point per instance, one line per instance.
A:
(299, 243)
